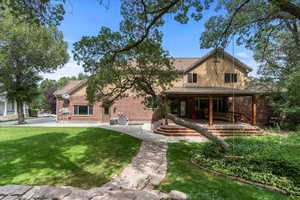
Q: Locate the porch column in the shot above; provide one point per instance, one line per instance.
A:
(210, 110)
(253, 109)
(166, 119)
(5, 108)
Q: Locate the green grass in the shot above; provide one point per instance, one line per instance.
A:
(79, 157)
(199, 185)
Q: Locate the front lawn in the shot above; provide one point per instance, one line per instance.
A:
(185, 177)
(79, 157)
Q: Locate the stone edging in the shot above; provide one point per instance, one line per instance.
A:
(236, 178)
(19, 192)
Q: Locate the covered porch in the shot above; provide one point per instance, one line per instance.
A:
(212, 108)
(209, 104)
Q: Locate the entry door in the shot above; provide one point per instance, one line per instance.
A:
(105, 114)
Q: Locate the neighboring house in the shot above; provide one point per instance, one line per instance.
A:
(8, 109)
(210, 87)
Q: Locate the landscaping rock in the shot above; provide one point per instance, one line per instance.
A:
(177, 195)
(50, 192)
(77, 195)
(11, 198)
(148, 168)
(13, 189)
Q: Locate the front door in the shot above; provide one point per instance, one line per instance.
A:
(105, 114)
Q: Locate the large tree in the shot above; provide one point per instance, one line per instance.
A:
(271, 31)
(124, 60)
(26, 50)
(34, 11)
(132, 59)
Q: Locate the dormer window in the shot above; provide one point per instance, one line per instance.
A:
(192, 77)
(230, 77)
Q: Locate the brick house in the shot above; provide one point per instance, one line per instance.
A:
(212, 87)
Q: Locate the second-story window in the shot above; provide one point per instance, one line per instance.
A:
(192, 77)
(230, 77)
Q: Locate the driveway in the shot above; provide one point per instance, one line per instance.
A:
(132, 130)
(36, 121)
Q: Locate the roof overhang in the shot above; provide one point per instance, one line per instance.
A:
(205, 91)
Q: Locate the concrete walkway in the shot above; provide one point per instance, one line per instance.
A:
(132, 130)
(145, 135)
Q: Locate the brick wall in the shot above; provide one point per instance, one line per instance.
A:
(132, 107)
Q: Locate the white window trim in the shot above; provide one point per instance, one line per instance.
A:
(89, 114)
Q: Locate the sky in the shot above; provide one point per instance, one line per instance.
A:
(181, 40)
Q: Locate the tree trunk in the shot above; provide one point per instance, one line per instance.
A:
(20, 110)
(203, 131)
(199, 129)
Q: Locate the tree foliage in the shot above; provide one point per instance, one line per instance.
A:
(25, 51)
(271, 30)
(132, 59)
(35, 11)
(46, 100)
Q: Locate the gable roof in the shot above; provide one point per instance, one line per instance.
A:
(182, 65)
(213, 52)
(70, 87)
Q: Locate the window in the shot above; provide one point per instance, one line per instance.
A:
(192, 77)
(10, 107)
(83, 110)
(230, 77)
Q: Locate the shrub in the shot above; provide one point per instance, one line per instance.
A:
(262, 161)
(32, 112)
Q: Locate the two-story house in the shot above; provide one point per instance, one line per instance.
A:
(212, 87)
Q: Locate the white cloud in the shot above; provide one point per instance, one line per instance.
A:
(243, 55)
(70, 69)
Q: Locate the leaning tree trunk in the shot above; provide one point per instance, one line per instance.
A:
(20, 110)
(203, 131)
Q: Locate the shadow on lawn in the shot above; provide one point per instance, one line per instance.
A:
(85, 159)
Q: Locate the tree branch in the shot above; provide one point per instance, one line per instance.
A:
(288, 7)
(236, 10)
(148, 28)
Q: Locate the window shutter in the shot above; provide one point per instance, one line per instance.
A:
(190, 78)
(194, 77)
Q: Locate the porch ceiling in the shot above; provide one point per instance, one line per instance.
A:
(206, 91)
